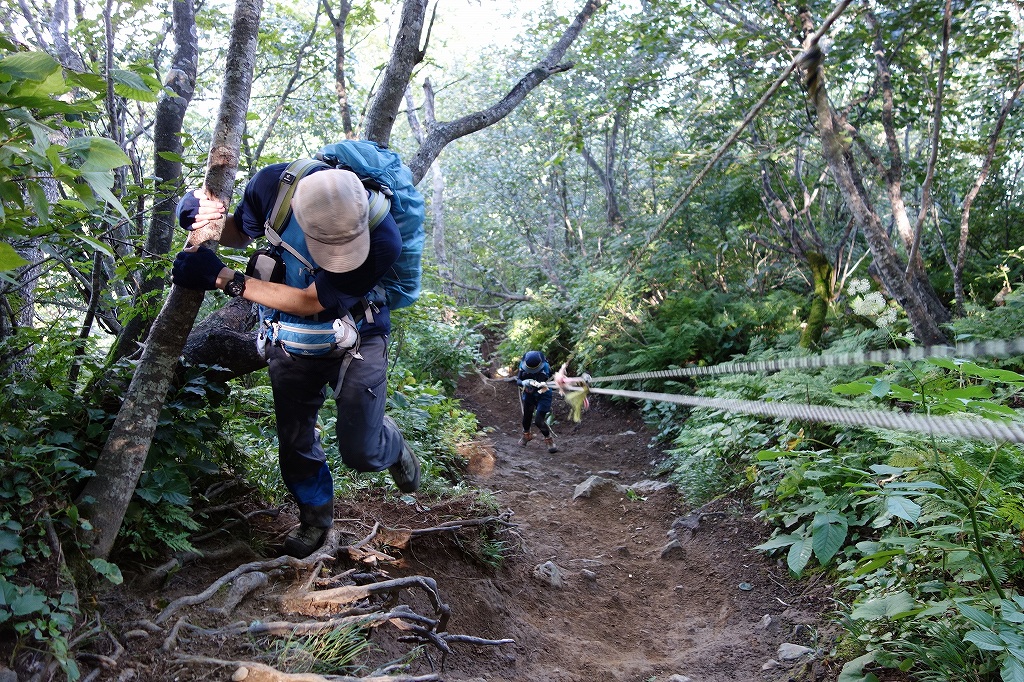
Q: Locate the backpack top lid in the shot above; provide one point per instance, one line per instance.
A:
(533, 360)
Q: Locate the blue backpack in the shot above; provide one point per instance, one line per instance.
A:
(384, 168)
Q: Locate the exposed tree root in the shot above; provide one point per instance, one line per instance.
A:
(257, 672)
(352, 599)
(241, 587)
(160, 574)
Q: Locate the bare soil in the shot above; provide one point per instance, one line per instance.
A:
(631, 607)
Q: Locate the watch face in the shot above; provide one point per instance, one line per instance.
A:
(236, 286)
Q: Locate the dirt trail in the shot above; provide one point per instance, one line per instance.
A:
(631, 608)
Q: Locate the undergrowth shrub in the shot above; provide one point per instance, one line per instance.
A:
(541, 324)
(922, 533)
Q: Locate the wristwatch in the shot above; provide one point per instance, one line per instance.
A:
(236, 285)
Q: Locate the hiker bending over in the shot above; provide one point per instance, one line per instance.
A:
(325, 324)
(534, 373)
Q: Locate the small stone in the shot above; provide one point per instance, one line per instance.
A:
(549, 573)
(766, 622)
(622, 550)
(673, 550)
(679, 678)
(770, 664)
(240, 674)
(746, 587)
(588, 575)
(691, 522)
(793, 652)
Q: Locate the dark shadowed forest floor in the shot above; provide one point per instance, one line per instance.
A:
(591, 588)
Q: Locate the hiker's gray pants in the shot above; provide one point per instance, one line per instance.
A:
(300, 386)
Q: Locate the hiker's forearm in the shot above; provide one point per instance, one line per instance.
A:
(231, 236)
(278, 296)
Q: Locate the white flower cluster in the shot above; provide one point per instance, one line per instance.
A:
(858, 286)
(869, 306)
(871, 303)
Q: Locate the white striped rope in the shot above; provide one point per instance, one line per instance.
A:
(964, 350)
(964, 426)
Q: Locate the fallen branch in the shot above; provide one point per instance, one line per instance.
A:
(157, 576)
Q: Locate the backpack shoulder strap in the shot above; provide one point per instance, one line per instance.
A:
(274, 238)
(380, 205)
(282, 211)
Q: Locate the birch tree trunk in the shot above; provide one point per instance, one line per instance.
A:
(105, 498)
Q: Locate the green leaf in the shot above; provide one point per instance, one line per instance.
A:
(875, 561)
(1012, 670)
(799, 555)
(94, 244)
(97, 153)
(886, 470)
(978, 616)
(9, 258)
(1010, 612)
(108, 570)
(889, 606)
(985, 640)
(881, 388)
(10, 542)
(853, 671)
(777, 542)
(31, 601)
(993, 374)
(828, 532)
(855, 388)
(903, 507)
(31, 66)
(133, 86)
(101, 184)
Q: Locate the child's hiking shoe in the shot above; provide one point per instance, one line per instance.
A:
(552, 448)
(304, 540)
(527, 437)
(406, 471)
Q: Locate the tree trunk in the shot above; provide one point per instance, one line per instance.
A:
(170, 113)
(405, 54)
(340, 88)
(105, 498)
(847, 175)
(916, 275)
(821, 276)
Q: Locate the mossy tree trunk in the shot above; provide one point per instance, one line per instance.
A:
(821, 275)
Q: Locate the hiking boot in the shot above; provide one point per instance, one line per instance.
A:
(406, 471)
(304, 540)
(527, 437)
(551, 444)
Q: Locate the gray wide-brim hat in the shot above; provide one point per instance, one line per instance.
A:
(331, 208)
